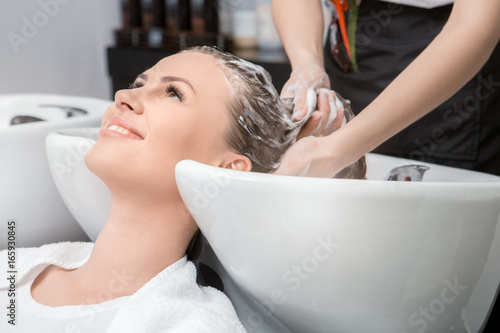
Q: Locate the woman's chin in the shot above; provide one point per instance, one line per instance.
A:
(93, 160)
(103, 165)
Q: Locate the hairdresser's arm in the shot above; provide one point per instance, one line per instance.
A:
(300, 26)
(447, 64)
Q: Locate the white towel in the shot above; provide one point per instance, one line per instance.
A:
(170, 302)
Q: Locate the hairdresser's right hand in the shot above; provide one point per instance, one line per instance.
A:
(307, 158)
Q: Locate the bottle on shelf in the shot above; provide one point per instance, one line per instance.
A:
(212, 16)
(204, 16)
(177, 15)
(153, 21)
(134, 10)
(153, 14)
(267, 35)
(129, 34)
(245, 25)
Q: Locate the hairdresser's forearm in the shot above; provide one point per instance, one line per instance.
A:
(446, 65)
(300, 26)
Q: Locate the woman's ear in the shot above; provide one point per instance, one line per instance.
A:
(238, 162)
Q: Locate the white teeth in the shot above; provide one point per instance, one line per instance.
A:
(119, 129)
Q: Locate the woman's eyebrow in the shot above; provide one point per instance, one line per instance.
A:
(166, 79)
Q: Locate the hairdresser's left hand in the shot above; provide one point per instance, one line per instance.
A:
(305, 157)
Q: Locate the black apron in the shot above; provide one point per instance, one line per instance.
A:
(464, 131)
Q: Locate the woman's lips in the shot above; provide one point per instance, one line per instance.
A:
(119, 127)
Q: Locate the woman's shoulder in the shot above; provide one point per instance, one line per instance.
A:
(67, 255)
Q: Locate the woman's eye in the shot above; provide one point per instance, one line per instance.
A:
(173, 92)
(136, 84)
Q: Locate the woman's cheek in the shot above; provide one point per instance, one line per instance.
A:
(107, 114)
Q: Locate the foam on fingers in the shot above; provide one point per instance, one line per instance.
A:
(334, 104)
(311, 101)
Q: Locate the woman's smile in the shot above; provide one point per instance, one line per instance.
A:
(119, 127)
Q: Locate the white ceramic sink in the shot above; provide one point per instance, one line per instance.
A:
(322, 255)
(27, 192)
(326, 255)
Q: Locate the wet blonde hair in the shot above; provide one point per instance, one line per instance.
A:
(262, 127)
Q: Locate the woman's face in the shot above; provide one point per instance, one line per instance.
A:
(176, 110)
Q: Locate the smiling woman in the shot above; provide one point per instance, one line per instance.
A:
(201, 104)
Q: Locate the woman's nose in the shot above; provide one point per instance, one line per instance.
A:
(129, 100)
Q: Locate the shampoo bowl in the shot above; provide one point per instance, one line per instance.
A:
(27, 193)
(321, 255)
(325, 255)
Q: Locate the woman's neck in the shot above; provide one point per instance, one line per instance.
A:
(139, 240)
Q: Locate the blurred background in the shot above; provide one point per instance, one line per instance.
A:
(57, 46)
(93, 48)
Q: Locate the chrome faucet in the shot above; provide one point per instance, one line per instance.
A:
(407, 173)
(69, 112)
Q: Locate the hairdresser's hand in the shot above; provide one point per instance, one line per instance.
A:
(306, 158)
(309, 86)
(328, 118)
(304, 78)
